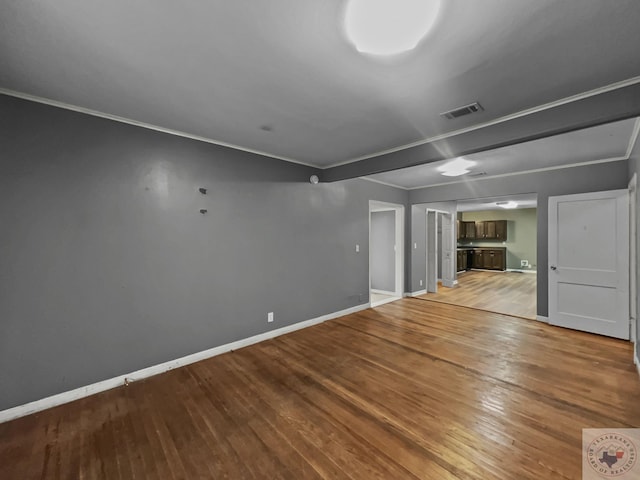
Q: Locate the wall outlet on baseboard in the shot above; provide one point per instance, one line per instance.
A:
(270, 317)
(524, 263)
(420, 282)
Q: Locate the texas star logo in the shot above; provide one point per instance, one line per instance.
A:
(612, 454)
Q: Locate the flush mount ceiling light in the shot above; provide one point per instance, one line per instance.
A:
(387, 27)
(456, 167)
(509, 204)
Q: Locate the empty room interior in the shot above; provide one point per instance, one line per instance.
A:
(318, 240)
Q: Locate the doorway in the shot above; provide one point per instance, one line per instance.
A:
(496, 266)
(440, 234)
(386, 252)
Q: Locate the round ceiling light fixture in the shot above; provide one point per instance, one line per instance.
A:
(388, 27)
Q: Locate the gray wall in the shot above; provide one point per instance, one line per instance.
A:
(598, 177)
(521, 234)
(383, 261)
(107, 266)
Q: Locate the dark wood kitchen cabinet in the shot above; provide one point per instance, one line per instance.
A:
(491, 230)
(466, 230)
(463, 258)
(489, 258)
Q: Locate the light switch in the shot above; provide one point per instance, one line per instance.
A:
(357, 248)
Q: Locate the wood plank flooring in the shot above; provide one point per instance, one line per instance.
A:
(409, 390)
(511, 293)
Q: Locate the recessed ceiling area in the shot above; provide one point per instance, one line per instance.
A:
(281, 78)
(609, 142)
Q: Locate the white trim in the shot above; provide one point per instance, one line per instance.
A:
(148, 126)
(524, 172)
(382, 302)
(382, 183)
(633, 255)
(383, 292)
(520, 271)
(415, 294)
(506, 118)
(71, 395)
(541, 318)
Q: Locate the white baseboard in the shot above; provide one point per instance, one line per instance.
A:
(383, 292)
(383, 301)
(71, 395)
(540, 318)
(521, 271)
(415, 294)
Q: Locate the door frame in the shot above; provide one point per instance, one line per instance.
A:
(633, 262)
(379, 206)
(432, 248)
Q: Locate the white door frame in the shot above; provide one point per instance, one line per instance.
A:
(633, 259)
(377, 206)
(431, 251)
(432, 248)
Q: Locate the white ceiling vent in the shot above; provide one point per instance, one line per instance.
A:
(462, 111)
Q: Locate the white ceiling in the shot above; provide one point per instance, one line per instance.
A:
(279, 77)
(609, 142)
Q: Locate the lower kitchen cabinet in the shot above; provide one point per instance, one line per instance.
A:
(484, 258)
(462, 258)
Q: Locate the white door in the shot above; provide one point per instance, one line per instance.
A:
(432, 251)
(589, 262)
(448, 263)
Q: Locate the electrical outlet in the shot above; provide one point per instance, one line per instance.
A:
(420, 282)
(415, 245)
(270, 317)
(357, 248)
(524, 263)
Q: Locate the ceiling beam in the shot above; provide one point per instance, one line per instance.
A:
(606, 107)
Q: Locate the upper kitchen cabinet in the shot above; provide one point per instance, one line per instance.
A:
(491, 230)
(466, 230)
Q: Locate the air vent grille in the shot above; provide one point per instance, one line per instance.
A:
(462, 111)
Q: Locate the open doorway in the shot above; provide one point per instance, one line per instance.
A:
(440, 266)
(386, 254)
(494, 254)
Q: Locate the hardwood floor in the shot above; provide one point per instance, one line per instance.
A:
(411, 389)
(511, 293)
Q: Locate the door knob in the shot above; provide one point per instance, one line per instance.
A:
(553, 267)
